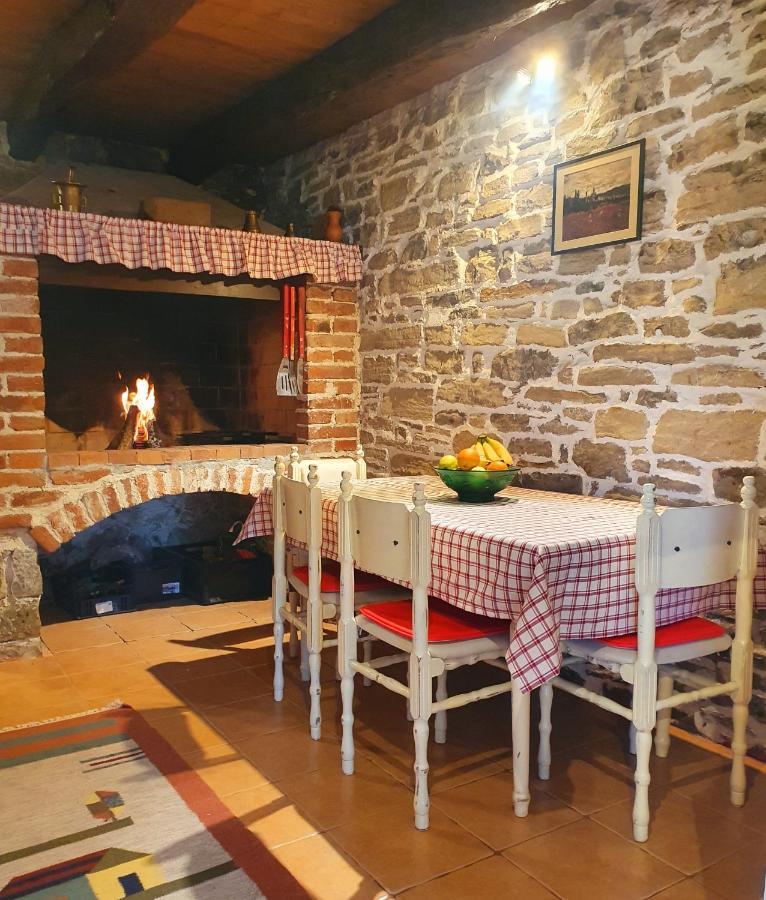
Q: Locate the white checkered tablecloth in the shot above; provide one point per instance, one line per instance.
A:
(556, 565)
(135, 243)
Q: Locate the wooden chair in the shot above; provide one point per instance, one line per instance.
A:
(675, 549)
(330, 469)
(297, 516)
(386, 536)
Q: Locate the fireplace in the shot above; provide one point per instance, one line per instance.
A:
(211, 363)
(74, 332)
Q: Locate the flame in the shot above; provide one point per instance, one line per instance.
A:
(143, 399)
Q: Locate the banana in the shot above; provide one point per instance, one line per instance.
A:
(479, 448)
(489, 450)
(501, 451)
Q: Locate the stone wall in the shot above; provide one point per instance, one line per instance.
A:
(601, 369)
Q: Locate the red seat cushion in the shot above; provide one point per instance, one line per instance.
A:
(685, 632)
(330, 582)
(445, 622)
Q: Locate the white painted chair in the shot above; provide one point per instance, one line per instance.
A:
(392, 537)
(676, 549)
(297, 516)
(330, 469)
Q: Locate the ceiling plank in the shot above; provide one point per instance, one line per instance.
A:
(99, 38)
(402, 52)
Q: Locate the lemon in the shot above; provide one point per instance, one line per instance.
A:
(448, 462)
(478, 469)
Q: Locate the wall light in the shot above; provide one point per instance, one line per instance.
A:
(545, 70)
(523, 78)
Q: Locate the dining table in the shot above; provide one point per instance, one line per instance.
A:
(553, 565)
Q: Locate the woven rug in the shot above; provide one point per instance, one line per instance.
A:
(100, 808)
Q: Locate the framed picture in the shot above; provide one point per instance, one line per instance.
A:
(597, 199)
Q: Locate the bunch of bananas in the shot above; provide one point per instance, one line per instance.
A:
(486, 454)
(491, 450)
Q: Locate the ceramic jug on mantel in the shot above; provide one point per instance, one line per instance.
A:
(68, 195)
(333, 228)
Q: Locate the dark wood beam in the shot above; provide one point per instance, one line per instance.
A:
(407, 49)
(95, 41)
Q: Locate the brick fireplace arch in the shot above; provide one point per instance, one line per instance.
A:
(108, 491)
(47, 498)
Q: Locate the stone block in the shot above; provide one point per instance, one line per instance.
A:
(613, 325)
(523, 364)
(667, 354)
(715, 436)
(667, 326)
(619, 422)
(722, 189)
(668, 255)
(742, 285)
(543, 335)
(600, 460)
(720, 376)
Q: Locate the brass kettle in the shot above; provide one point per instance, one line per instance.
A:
(69, 195)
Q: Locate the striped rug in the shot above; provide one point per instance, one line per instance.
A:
(101, 808)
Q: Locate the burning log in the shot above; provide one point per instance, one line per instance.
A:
(138, 430)
(123, 440)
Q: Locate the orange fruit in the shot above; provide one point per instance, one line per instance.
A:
(497, 466)
(469, 458)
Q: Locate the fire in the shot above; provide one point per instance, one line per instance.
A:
(143, 399)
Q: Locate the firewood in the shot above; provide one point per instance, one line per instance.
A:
(123, 440)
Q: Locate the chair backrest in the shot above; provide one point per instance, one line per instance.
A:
(297, 516)
(388, 538)
(694, 547)
(329, 468)
(700, 546)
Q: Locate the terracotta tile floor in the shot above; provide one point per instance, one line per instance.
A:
(202, 676)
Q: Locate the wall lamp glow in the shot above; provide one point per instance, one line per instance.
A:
(523, 78)
(545, 70)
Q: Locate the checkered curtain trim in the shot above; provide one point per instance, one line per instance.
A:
(556, 565)
(135, 243)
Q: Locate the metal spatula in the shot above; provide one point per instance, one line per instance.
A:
(293, 371)
(283, 373)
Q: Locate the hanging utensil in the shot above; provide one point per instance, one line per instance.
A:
(301, 336)
(293, 378)
(283, 373)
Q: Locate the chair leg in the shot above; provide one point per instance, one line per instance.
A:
(544, 751)
(367, 657)
(304, 642)
(520, 730)
(662, 734)
(293, 630)
(420, 730)
(741, 672)
(642, 779)
(315, 640)
(440, 719)
(279, 636)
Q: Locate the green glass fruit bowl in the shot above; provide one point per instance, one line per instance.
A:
(477, 487)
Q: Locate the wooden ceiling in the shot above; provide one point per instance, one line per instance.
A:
(236, 80)
(212, 58)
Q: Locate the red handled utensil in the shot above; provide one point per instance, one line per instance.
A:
(301, 335)
(283, 373)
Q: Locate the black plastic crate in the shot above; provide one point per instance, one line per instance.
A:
(164, 580)
(218, 573)
(87, 593)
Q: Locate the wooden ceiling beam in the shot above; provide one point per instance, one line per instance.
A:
(99, 38)
(402, 52)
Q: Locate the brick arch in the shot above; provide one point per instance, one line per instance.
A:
(76, 507)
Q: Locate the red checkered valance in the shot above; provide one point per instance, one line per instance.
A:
(137, 243)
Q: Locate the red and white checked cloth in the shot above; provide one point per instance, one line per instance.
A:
(556, 565)
(135, 243)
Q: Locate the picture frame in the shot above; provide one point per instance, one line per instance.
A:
(598, 199)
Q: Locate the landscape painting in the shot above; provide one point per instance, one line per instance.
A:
(597, 199)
